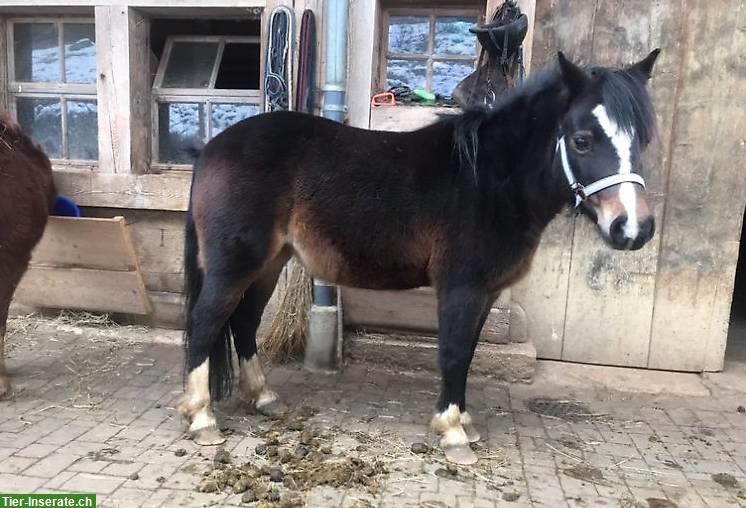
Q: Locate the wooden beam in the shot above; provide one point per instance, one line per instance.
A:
(363, 29)
(123, 87)
(167, 191)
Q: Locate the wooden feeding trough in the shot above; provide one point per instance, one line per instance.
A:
(85, 264)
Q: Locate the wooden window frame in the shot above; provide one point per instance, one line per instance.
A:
(207, 96)
(56, 90)
(428, 58)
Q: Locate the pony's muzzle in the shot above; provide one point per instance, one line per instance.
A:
(623, 236)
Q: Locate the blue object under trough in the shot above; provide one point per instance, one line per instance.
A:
(64, 207)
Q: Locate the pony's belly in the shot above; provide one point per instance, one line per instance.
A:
(330, 265)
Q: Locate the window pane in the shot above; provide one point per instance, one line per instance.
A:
(239, 67)
(42, 120)
(446, 75)
(190, 65)
(406, 73)
(80, 52)
(409, 34)
(36, 48)
(452, 36)
(82, 130)
(225, 115)
(178, 124)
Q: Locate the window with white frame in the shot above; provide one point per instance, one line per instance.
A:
(203, 85)
(429, 49)
(52, 85)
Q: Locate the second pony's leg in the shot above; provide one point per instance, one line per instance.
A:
(244, 323)
(11, 271)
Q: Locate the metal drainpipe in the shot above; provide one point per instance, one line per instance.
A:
(335, 13)
(323, 342)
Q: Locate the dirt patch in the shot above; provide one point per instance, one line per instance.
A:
(586, 473)
(726, 480)
(654, 502)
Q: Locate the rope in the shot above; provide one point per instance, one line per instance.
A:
(279, 66)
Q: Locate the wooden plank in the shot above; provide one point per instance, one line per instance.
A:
(140, 83)
(364, 26)
(406, 118)
(706, 192)
(166, 191)
(123, 88)
(87, 243)
(4, 65)
(610, 295)
(414, 310)
(565, 25)
(84, 289)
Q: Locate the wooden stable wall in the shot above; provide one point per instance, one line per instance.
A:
(667, 305)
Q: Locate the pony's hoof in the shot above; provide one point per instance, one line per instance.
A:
(472, 434)
(460, 454)
(274, 409)
(208, 436)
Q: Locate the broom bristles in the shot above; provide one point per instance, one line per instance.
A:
(286, 335)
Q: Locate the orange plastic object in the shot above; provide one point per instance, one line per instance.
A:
(383, 99)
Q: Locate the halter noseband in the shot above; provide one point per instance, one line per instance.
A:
(583, 192)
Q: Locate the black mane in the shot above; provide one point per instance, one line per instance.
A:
(624, 96)
(467, 125)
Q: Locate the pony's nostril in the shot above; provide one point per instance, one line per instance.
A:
(616, 231)
(647, 228)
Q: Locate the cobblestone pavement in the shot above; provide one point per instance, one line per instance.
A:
(93, 412)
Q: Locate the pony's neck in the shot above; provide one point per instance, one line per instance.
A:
(527, 127)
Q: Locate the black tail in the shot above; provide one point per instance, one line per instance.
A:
(221, 366)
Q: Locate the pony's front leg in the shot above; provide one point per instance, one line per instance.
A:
(461, 313)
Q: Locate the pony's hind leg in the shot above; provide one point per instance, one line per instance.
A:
(208, 347)
(244, 323)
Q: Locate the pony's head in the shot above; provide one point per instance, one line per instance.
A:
(609, 123)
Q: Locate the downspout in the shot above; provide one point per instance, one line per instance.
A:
(333, 93)
(323, 344)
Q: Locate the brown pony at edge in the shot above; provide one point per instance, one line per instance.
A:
(27, 195)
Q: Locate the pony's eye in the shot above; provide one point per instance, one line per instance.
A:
(582, 143)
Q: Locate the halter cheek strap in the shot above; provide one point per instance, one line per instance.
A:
(583, 192)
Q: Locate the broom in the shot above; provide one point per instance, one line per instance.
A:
(287, 333)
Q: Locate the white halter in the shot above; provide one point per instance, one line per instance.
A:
(582, 192)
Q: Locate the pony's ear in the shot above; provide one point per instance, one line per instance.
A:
(644, 68)
(574, 77)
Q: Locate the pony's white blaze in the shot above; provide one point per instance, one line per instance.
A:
(622, 143)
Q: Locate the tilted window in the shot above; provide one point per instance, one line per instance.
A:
(52, 84)
(203, 85)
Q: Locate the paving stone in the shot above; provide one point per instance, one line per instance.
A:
(19, 484)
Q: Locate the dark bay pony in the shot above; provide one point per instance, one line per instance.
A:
(459, 205)
(27, 195)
